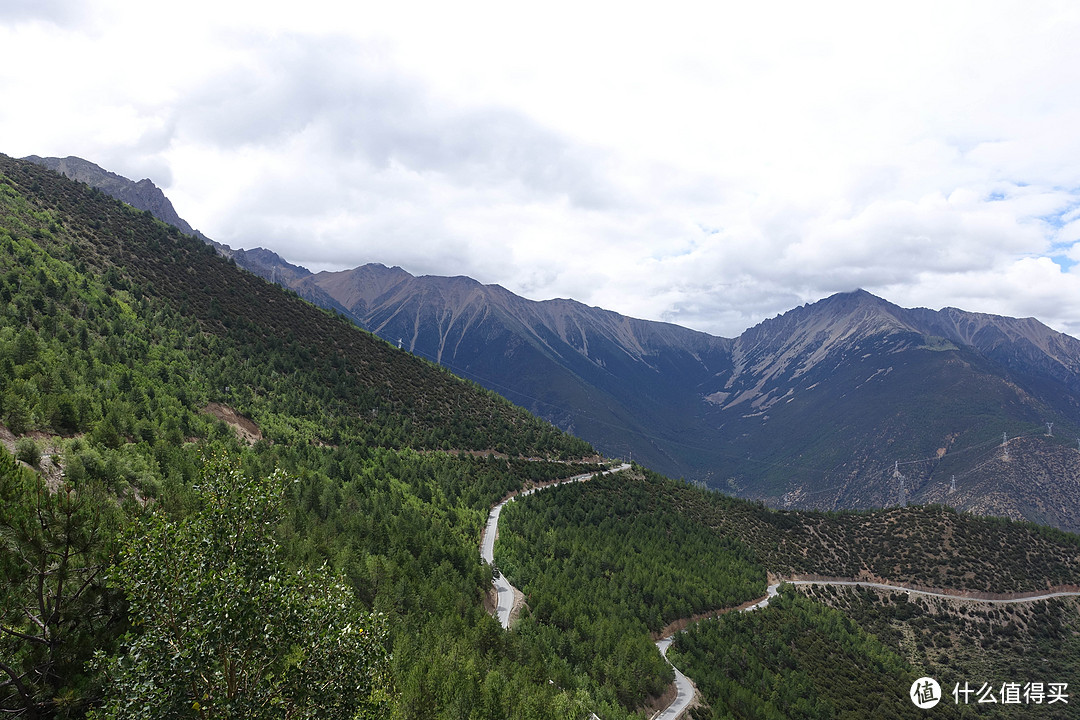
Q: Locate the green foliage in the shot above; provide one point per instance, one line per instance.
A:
(54, 608)
(602, 564)
(28, 451)
(225, 629)
(795, 659)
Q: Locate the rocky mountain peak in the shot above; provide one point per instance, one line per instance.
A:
(144, 194)
(769, 357)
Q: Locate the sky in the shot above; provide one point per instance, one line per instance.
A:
(710, 164)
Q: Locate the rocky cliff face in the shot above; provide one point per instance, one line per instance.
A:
(143, 194)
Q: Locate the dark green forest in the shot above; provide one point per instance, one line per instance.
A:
(638, 552)
(156, 563)
(116, 331)
(972, 642)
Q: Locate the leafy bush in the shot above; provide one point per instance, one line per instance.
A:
(28, 451)
(228, 630)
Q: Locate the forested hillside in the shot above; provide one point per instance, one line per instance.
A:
(116, 332)
(927, 546)
(158, 561)
(622, 556)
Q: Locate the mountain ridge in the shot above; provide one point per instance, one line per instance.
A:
(811, 408)
(144, 194)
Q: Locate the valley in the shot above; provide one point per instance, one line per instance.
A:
(130, 353)
(847, 403)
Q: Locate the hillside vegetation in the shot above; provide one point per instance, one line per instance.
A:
(835, 652)
(150, 554)
(635, 551)
(929, 546)
(971, 642)
(115, 332)
(796, 659)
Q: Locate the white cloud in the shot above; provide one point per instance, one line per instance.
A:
(709, 163)
(55, 12)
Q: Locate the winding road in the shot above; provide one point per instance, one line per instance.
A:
(685, 690)
(504, 590)
(931, 593)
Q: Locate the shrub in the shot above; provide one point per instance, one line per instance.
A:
(28, 451)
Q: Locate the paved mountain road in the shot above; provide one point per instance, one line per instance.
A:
(504, 590)
(684, 688)
(685, 692)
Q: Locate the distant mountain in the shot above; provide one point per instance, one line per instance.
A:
(849, 402)
(631, 385)
(855, 402)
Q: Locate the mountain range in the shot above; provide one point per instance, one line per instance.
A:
(190, 452)
(849, 402)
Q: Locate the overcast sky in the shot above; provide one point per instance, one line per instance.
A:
(710, 164)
